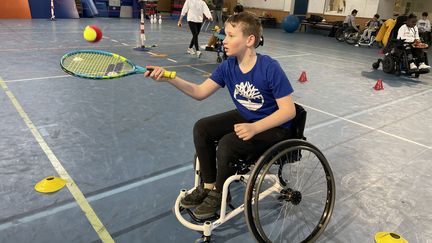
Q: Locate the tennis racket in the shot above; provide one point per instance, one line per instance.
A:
(95, 64)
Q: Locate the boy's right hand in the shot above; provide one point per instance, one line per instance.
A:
(156, 73)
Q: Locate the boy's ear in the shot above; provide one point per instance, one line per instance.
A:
(250, 41)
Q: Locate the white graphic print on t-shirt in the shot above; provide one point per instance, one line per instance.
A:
(249, 96)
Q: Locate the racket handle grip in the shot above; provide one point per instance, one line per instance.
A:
(170, 74)
(166, 74)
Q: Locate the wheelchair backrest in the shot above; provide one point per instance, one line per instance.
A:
(401, 20)
(299, 122)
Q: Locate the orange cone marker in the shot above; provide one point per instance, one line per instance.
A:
(303, 77)
(379, 85)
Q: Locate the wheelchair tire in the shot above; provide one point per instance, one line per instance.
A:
(340, 35)
(352, 38)
(296, 198)
(389, 65)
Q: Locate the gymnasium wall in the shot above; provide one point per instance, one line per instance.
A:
(366, 8)
(280, 5)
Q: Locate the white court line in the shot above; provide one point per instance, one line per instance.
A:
(103, 195)
(369, 110)
(125, 44)
(79, 197)
(114, 40)
(172, 60)
(199, 70)
(29, 79)
(368, 127)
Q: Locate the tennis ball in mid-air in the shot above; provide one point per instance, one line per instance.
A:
(92, 33)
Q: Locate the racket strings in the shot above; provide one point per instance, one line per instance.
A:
(97, 65)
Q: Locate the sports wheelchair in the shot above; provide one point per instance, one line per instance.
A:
(347, 34)
(289, 196)
(396, 60)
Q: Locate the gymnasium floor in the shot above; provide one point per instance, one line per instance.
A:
(127, 143)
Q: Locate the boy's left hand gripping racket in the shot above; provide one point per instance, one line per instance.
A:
(95, 64)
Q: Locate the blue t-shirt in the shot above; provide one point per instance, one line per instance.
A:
(254, 93)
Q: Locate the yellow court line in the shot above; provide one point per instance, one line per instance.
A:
(73, 188)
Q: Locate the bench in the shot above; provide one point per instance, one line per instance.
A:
(320, 26)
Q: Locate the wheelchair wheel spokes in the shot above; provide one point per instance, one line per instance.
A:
(292, 199)
(352, 38)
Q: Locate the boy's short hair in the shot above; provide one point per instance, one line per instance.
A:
(412, 16)
(425, 14)
(377, 16)
(251, 25)
(355, 11)
(238, 8)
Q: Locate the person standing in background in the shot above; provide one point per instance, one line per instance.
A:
(217, 13)
(195, 9)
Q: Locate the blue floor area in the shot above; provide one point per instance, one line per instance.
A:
(127, 143)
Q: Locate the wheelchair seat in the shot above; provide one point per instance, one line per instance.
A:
(297, 132)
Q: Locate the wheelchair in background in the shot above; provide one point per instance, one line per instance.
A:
(396, 59)
(290, 192)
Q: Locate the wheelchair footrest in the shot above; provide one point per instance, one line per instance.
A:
(197, 220)
(423, 71)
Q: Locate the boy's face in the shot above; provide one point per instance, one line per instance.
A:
(411, 22)
(424, 17)
(235, 42)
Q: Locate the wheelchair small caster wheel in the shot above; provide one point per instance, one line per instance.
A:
(219, 59)
(204, 239)
(416, 75)
(375, 65)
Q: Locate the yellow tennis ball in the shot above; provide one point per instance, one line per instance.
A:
(89, 34)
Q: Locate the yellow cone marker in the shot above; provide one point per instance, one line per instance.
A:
(389, 237)
(50, 184)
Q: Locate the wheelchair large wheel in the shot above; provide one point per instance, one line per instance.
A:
(340, 34)
(352, 38)
(388, 65)
(290, 194)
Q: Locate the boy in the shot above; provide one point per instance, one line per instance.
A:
(349, 21)
(262, 94)
(371, 26)
(410, 34)
(424, 28)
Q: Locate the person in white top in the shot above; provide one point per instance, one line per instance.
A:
(424, 27)
(195, 9)
(410, 34)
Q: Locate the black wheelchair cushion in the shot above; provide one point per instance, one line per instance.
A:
(297, 132)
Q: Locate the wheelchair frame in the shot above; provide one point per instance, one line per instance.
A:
(293, 149)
